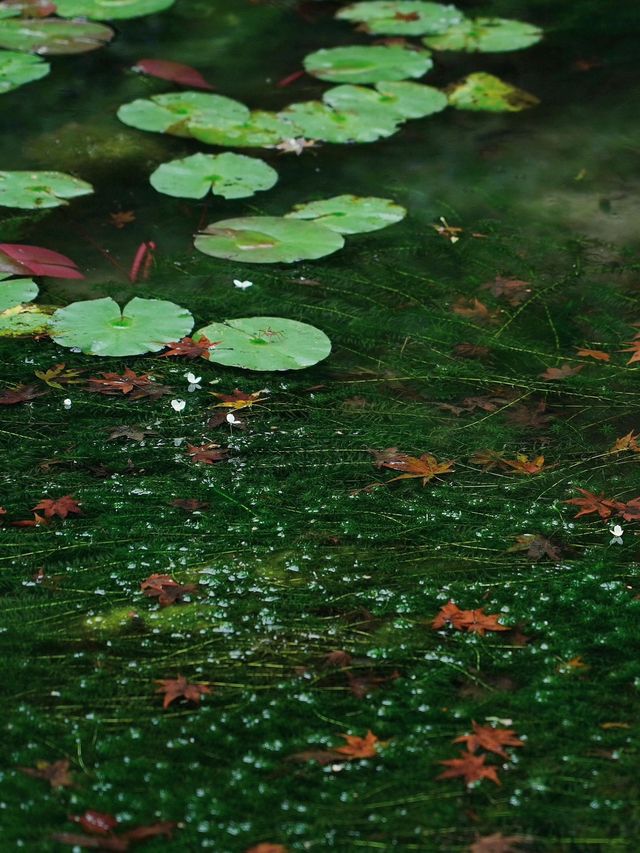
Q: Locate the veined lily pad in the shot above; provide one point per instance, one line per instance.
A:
(99, 327)
(104, 10)
(266, 343)
(402, 17)
(316, 120)
(267, 240)
(176, 112)
(16, 69)
(16, 291)
(487, 35)
(367, 64)
(32, 190)
(482, 91)
(402, 99)
(48, 36)
(25, 320)
(350, 214)
(262, 129)
(228, 175)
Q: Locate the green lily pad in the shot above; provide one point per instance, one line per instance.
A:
(402, 99)
(16, 69)
(368, 64)
(487, 35)
(228, 175)
(16, 291)
(267, 240)
(25, 320)
(316, 120)
(52, 35)
(32, 190)
(262, 129)
(177, 112)
(350, 214)
(266, 343)
(100, 327)
(402, 17)
(482, 91)
(104, 10)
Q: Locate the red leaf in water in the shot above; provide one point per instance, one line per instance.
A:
(470, 767)
(37, 261)
(175, 72)
(180, 688)
(97, 823)
(166, 589)
(60, 507)
(21, 394)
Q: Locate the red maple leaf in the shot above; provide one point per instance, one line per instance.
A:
(102, 836)
(97, 823)
(166, 589)
(630, 511)
(174, 72)
(21, 394)
(207, 453)
(188, 348)
(595, 503)
(359, 747)
(61, 507)
(473, 621)
(424, 467)
(180, 688)
(470, 767)
(129, 383)
(489, 739)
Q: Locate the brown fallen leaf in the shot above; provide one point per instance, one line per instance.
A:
(21, 394)
(562, 372)
(189, 504)
(627, 442)
(359, 747)
(267, 847)
(134, 386)
(122, 218)
(474, 310)
(497, 843)
(56, 774)
(513, 290)
(238, 399)
(424, 467)
(188, 348)
(60, 508)
(490, 739)
(536, 546)
(591, 503)
(473, 621)
(598, 354)
(133, 433)
(470, 767)
(180, 688)
(466, 350)
(166, 589)
(207, 453)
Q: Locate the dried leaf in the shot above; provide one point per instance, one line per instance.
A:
(562, 372)
(134, 386)
(490, 739)
(513, 290)
(473, 621)
(125, 217)
(166, 589)
(497, 843)
(21, 394)
(56, 774)
(238, 399)
(207, 453)
(627, 442)
(470, 767)
(61, 507)
(598, 354)
(424, 467)
(474, 310)
(536, 546)
(188, 348)
(189, 504)
(591, 503)
(180, 688)
(131, 432)
(57, 376)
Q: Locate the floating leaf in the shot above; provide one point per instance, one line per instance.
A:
(262, 129)
(401, 100)
(175, 72)
(267, 240)
(266, 343)
(104, 10)
(227, 175)
(100, 327)
(16, 69)
(25, 321)
(16, 291)
(487, 35)
(402, 17)
(53, 36)
(367, 64)
(177, 112)
(350, 214)
(482, 91)
(315, 120)
(33, 190)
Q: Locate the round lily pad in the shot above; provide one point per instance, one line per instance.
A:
(262, 129)
(228, 175)
(487, 35)
(267, 240)
(484, 92)
(32, 190)
(316, 120)
(52, 35)
(401, 17)
(266, 343)
(400, 100)
(100, 327)
(104, 10)
(16, 291)
(350, 214)
(16, 69)
(367, 64)
(29, 320)
(175, 113)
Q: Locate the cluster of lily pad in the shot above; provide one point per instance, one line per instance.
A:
(31, 29)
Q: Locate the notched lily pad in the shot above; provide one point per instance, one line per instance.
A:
(401, 17)
(34, 190)
(486, 35)
(351, 214)
(266, 343)
(267, 240)
(100, 327)
(227, 175)
(367, 64)
(400, 100)
(317, 120)
(16, 291)
(484, 92)
(105, 10)
(177, 113)
(49, 36)
(16, 69)
(262, 129)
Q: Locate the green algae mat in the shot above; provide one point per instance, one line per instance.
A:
(319, 371)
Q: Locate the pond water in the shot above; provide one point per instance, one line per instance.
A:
(314, 590)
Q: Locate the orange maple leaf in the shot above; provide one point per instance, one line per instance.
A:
(180, 688)
(60, 507)
(635, 349)
(267, 847)
(595, 503)
(474, 310)
(207, 453)
(473, 621)
(469, 766)
(424, 467)
(120, 219)
(188, 348)
(562, 372)
(598, 354)
(166, 589)
(237, 400)
(489, 739)
(627, 442)
(523, 465)
(56, 774)
(359, 747)
(497, 843)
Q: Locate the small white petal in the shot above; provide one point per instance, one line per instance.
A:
(242, 284)
(66, 403)
(178, 405)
